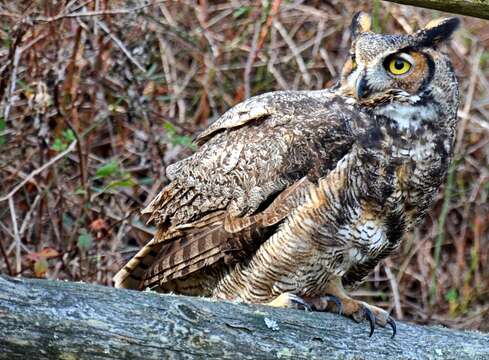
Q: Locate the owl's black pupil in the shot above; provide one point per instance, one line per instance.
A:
(399, 64)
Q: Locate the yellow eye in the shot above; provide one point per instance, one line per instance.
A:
(398, 66)
(353, 61)
(353, 64)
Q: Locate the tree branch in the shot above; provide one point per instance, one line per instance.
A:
(42, 319)
(476, 8)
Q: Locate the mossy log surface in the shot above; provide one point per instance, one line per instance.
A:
(41, 319)
(476, 8)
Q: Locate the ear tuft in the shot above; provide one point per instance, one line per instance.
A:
(437, 31)
(361, 22)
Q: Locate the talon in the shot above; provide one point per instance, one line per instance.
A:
(337, 302)
(371, 319)
(290, 300)
(355, 309)
(392, 324)
(301, 302)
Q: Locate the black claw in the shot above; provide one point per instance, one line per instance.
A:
(392, 324)
(301, 302)
(371, 319)
(337, 301)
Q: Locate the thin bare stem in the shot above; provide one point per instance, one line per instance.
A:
(38, 171)
(94, 13)
(121, 46)
(18, 259)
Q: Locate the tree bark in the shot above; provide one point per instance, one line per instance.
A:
(476, 8)
(42, 319)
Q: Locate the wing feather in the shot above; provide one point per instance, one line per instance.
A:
(190, 247)
(224, 201)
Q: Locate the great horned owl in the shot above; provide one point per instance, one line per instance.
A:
(295, 194)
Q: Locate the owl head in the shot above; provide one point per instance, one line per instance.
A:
(383, 69)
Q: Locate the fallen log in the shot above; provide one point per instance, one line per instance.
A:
(475, 8)
(43, 319)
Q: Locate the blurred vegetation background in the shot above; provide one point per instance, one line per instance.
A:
(98, 97)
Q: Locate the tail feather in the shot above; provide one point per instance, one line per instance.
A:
(173, 253)
(157, 278)
(133, 273)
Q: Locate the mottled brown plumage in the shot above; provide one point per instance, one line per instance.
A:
(294, 194)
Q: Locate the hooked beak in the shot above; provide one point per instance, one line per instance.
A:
(361, 87)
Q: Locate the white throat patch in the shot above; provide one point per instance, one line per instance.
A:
(407, 115)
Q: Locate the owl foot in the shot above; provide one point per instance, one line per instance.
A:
(357, 310)
(323, 303)
(374, 315)
(290, 301)
(339, 300)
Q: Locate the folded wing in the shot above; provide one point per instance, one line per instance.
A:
(252, 169)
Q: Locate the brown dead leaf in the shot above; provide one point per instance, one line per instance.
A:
(149, 89)
(99, 225)
(45, 253)
(48, 253)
